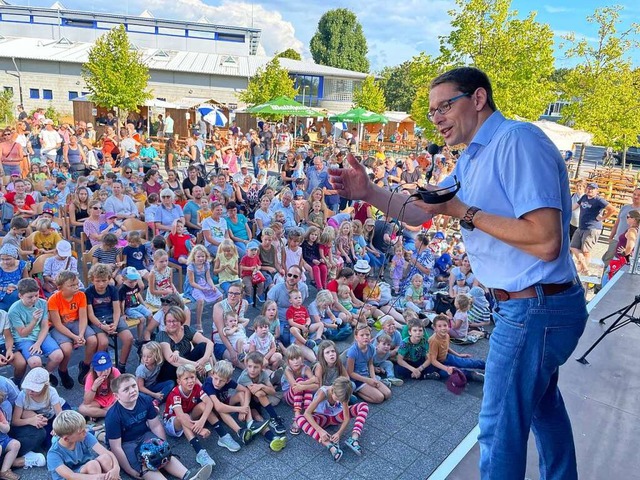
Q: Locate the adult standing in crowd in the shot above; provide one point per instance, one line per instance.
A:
(266, 137)
(517, 236)
(191, 209)
(593, 210)
(580, 187)
(168, 126)
(621, 225)
(11, 154)
(50, 141)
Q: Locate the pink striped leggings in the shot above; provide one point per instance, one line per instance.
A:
(299, 401)
(359, 411)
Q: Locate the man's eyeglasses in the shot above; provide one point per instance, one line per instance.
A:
(445, 106)
(292, 275)
(234, 294)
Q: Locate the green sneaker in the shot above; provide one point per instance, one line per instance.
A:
(278, 443)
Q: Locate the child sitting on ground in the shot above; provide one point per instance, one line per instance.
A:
(9, 447)
(329, 366)
(301, 327)
(330, 406)
(77, 452)
(235, 332)
(460, 322)
(335, 328)
(413, 360)
(264, 342)
(414, 295)
(298, 384)
(443, 358)
(151, 360)
(382, 364)
(104, 311)
(360, 367)
(132, 421)
(187, 411)
(460, 287)
(98, 397)
(257, 381)
(229, 397)
(389, 328)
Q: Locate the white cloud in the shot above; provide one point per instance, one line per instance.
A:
(556, 9)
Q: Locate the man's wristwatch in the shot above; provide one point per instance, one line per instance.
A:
(466, 222)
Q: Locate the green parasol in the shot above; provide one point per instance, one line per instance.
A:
(359, 115)
(283, 106)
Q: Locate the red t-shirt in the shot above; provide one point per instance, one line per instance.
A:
(248, 261)
(298, 314)
(28, 201)
(177, 399)
(179, 243)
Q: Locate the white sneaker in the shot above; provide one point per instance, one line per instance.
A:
(33, 459)
(203, 474)
(203, 458)
(229, 443)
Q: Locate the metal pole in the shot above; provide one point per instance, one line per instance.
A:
(19, 80)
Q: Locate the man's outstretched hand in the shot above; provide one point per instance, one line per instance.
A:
(352, 183)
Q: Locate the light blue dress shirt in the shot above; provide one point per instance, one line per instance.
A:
(509, 169)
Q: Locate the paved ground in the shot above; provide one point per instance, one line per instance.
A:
(407, 437)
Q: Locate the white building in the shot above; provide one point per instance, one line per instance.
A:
(42, 51)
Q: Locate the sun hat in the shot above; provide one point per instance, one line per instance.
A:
(362, 266)
(253, 245)
(36, 379)
(592, 185)
(109, 215)
(131, 273)
(10, 250)
(131, 150)
(64, 249)
(101, 361)
(89, 125)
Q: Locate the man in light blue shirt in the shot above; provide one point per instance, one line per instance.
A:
(514, 206)
(285, 206)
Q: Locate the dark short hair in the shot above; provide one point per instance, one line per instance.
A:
(232, 205)
(28, 285)
(468, 80)
(19, 223)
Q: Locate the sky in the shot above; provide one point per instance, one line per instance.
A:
(395, 31)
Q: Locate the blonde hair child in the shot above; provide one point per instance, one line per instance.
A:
(298, 384)
(344, 243)
(225, 265)
(160, 282)
(151, 361)
(198, 285)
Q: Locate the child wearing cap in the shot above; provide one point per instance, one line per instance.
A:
(62, 260)
(131, 300)
(104, 311)
(461, 287)
(77, 452)
(68, 315)
(51, 203)
(250, 272)
(98, 397)
(45, 238)
(29, 320)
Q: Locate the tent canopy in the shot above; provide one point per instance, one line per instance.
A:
(562, 136)
(283, 106)
(359, 115)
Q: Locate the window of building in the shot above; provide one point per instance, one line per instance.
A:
(47, 94)
(309, 89)
(34, 93)
(84, 94)
(73, 95)
(8, 89)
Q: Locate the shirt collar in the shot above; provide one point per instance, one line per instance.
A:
(485, 133)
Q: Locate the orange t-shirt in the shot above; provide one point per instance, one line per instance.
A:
(68, 310)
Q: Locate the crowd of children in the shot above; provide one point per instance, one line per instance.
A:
(287, 352)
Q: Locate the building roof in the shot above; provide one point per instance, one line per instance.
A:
(167, 60)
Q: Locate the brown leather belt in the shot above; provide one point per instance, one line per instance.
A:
(530, 292)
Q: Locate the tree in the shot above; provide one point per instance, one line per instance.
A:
(339, 41)
(289, 53)
(369, 96)
(517, 55)
(603, 90)
(399, 90)
(6, 106)
(115, 74)
(268, 83)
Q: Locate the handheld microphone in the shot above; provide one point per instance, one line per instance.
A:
(433, 150)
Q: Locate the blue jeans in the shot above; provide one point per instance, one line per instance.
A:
(461, 363)
(532, 338)
(387, 366)
(242, 248)
(163, 387)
